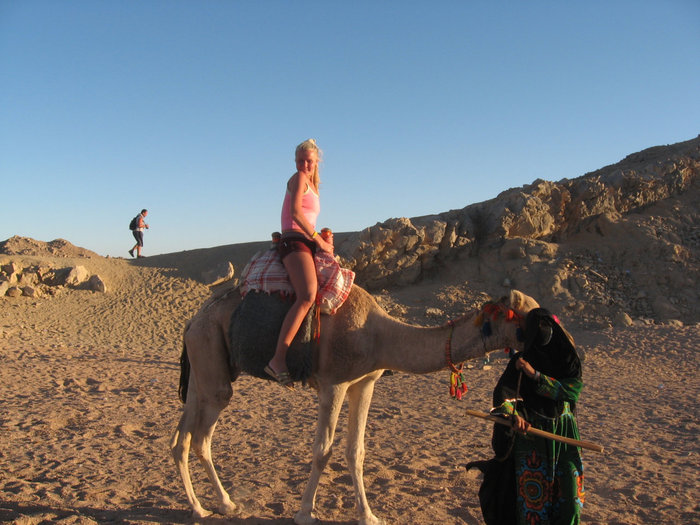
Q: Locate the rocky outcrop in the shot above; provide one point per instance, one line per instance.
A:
(17, 245)
(533, 237)
(37, 281)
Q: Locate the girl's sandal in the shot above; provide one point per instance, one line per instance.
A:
(282, 378)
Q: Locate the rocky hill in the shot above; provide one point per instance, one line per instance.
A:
(621, 241)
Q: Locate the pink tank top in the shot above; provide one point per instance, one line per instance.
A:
(310, 206)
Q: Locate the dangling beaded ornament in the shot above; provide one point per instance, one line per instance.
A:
(458, 385)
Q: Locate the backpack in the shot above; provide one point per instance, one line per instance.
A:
(134, 223)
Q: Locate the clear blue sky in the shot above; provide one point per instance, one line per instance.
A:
(192, 109)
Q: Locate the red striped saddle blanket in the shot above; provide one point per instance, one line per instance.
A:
(266, 272)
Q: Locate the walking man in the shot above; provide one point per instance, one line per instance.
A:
(140, 225)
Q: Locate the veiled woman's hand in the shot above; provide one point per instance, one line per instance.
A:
(526, 367)
(520, 425)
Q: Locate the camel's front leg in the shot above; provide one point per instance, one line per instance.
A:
(359, 399)
(330, 400)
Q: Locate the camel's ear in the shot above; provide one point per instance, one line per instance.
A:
(522, 303)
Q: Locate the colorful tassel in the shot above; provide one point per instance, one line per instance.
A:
(458, 385)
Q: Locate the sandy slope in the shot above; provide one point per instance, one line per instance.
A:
(88, 384)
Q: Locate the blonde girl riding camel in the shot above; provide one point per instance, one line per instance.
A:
(299, 242)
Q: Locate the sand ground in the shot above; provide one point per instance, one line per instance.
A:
(88, 384)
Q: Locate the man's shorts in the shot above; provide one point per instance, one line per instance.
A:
(138, 235)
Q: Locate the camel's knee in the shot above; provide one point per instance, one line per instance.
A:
(213, 400)
(355, 455)
(222, 396)
(322, 455)
(178, 454)
(180, 445)
(174, 445)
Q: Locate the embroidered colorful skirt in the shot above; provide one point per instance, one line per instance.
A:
(549, 475)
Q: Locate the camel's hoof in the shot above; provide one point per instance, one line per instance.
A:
(228, 508)
(305, 518)
(199, 512)
(371, 520)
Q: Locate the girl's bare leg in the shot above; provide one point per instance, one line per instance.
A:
(302, 274)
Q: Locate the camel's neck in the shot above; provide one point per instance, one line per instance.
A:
(415, 349)
(421, 350)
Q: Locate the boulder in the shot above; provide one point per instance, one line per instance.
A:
(30, 291)
(96, 284)
(621, 319)
(77, 275)
(13, 291)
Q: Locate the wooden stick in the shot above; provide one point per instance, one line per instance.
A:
(537, 432)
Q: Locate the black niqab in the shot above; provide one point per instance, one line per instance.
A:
(551, 351)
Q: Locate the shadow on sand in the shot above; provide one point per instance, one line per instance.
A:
(12, 512)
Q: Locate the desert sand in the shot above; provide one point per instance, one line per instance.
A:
(88, 383)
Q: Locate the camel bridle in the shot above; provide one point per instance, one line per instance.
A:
(489, 312)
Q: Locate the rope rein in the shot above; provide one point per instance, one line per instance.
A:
(458, 385)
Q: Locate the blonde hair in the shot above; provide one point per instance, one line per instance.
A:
(310, 144)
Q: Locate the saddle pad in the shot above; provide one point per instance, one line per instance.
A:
(265, 272)
(253, 332)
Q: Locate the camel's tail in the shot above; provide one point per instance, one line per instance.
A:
(184, 371)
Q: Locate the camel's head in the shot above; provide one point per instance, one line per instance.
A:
(520, 303)
(504, 318)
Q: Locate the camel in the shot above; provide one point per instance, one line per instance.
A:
(357, 344)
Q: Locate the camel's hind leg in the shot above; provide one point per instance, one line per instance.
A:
(359, 399)
(201, 445)
(180, 449)
(195, 431)
(208, 393)
(330, 400)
